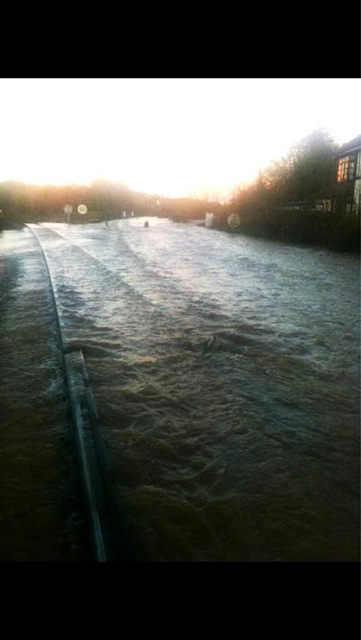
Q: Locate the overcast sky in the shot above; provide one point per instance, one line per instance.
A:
(166, 136)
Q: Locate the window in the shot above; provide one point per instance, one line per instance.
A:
(342, 169)
(358, 170)
(352, 167)
(346, 169)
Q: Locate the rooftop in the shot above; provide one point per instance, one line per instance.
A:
(354, 144)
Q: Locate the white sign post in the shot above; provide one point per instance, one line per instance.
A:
(234, 220)
(68, 210)
(82, 209)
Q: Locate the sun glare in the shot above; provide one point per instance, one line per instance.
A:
(167, 136)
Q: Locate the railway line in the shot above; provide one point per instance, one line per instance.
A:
(94, 465)
(110, 273)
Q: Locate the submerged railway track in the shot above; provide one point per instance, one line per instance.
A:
(93, 460)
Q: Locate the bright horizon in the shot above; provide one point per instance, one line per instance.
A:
(171, 137)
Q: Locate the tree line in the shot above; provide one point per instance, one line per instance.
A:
(21, 202)
(33, 203)
(287, 200)
(268, 207)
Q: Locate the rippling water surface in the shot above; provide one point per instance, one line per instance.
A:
(226, 375)
(40, 510)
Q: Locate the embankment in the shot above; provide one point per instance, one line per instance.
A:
(316, 228)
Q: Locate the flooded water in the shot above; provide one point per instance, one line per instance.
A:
(226, 375)
(40, 509)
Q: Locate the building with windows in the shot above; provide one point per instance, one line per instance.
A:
(346, 197)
